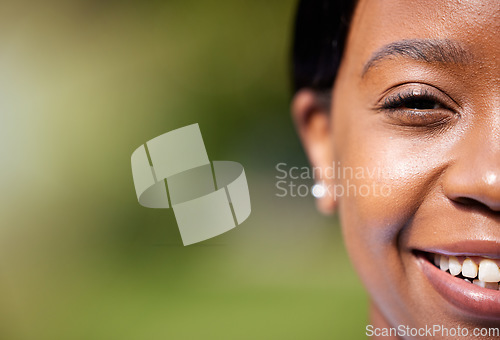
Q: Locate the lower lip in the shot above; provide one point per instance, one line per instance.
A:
(466, 296)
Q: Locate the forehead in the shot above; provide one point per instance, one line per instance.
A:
(473, 23)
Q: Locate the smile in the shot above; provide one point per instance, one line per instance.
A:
(470, 283)
(480, 271)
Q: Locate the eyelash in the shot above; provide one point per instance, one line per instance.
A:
(398, 108)
(397, 101)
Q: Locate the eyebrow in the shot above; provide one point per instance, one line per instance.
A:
(427, 50)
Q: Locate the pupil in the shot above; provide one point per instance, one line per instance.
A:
(420, 104)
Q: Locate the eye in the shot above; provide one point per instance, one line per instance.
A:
(413, 100)
(417, 107)
(421, 104)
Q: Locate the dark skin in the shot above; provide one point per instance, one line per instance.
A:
(430, 121)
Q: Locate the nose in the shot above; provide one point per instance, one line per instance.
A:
(473, 179)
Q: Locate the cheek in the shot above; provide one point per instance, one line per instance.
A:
(386, 177)
(383, 178)
(388, 184)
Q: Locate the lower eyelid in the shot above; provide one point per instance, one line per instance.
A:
(419, 118)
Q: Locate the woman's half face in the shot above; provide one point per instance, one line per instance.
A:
(415, 124)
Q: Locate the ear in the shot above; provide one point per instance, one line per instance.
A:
(311, 112)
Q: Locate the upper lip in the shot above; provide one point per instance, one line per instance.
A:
(482, 248)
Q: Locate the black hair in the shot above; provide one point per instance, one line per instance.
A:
(321, 28)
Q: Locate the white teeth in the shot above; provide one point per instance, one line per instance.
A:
(454, 266)
(486, 275)
(443, 263)
(489, 271)
(437, 257)
(489, 285)
(469, 269)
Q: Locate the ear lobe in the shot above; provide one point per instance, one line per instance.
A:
(310, 111)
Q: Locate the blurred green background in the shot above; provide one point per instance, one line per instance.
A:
(84, 83)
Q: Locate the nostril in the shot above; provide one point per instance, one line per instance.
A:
(475, 204)
(468, 201)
